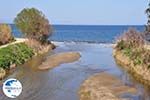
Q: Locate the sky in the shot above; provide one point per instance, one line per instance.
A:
(80, 12)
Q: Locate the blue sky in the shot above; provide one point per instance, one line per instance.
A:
(91, 12)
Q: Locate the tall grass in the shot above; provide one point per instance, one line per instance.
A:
(130, 39)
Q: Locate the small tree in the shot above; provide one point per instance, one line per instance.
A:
(33, 24)
(5, 34)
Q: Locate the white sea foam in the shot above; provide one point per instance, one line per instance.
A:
(83, 43)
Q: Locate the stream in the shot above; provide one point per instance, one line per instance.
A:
(63, 82)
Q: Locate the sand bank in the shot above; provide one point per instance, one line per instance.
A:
(103, 87)
(57, 59)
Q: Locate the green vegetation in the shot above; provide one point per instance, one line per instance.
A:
(33, 24)
(14, 54)
(5, 34)
(131, 44)
(35, 27)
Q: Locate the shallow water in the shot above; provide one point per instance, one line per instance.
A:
(63, 82)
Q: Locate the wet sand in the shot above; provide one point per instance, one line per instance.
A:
(104, 86)
(63, 82)
(58, 59)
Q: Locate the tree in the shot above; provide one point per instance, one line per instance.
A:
(33, 24)
(147, 28)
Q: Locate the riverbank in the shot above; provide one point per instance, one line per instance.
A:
(17, 40)
(141, 73)
(17, 53)
(65, 80)
(104, 86)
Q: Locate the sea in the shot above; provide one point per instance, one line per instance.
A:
(85, 33)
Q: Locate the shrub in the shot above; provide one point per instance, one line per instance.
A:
(121, 45)
(127, 52)
(14, 54)
(130, 39)
(146, 58)
(131, 44)
(136, 56)
(5, 34)
(33, 24)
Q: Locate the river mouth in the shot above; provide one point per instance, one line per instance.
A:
(63, 82)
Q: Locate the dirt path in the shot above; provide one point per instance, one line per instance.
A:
(18, 40)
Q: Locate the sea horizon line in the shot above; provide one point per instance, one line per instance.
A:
(91, 24)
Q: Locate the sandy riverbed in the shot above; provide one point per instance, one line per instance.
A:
(58, 59)
(104, 86)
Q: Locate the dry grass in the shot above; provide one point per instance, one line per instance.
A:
(5, 34)
(131, 39)
(2, 73)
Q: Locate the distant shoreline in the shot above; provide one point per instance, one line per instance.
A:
(87, 25)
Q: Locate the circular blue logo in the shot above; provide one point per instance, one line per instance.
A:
(12, 88)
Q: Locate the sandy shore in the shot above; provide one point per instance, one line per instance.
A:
(103, 87)
(60, 58)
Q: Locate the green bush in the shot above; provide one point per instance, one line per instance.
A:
(138, 61)
(14, 54)
(127, 52)
(33, 24)
(120, 45)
